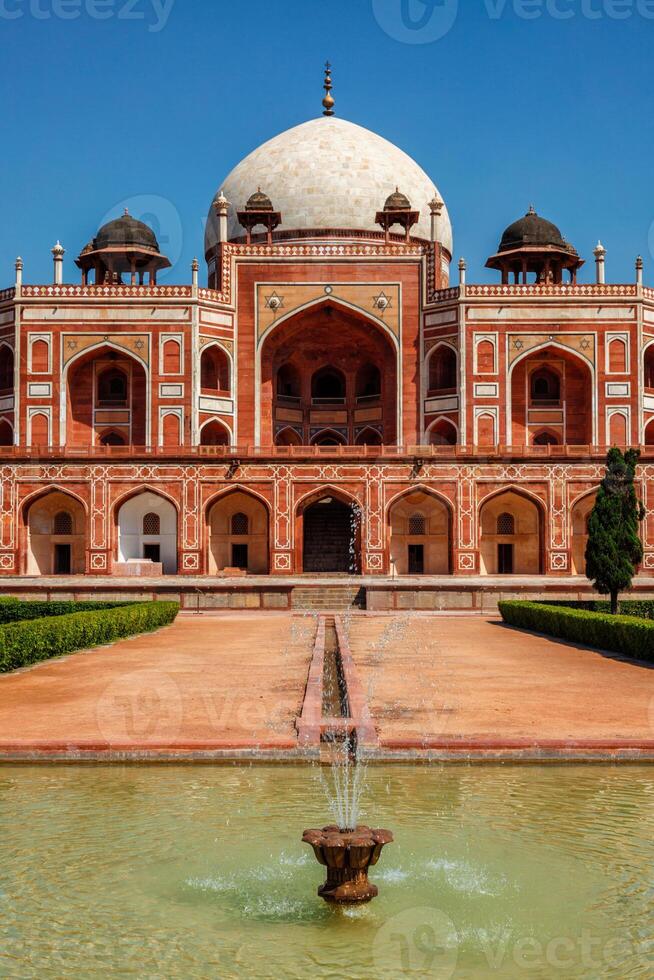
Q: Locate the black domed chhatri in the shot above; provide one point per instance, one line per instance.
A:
(124, 246)
(127, 232)
(533, 246)
(259, 202)
(532, 230)
(397, 201)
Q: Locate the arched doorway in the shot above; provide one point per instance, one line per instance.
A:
(511, 535)
(420, 534)
(56, 535)
(147, 530)
(331, 535)
(579, 528)
(238, 534)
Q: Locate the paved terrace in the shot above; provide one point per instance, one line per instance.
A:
(231, 685)
(435, 682)
(467, 593)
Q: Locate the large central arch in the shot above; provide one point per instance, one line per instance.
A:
(328, 367)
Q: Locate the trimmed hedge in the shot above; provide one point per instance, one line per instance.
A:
(630, 635)
(642, 608)
(31, 640)
(13, 610)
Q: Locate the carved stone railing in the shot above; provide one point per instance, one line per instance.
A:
(69, 291)
(562, 289)
(417, 453)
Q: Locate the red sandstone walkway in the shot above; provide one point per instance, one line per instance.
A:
(435, 679)
(235, 680)
(233, 685)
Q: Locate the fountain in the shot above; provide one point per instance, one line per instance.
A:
(346, 848)
(347, 855)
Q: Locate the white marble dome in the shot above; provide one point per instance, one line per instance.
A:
(328, 173)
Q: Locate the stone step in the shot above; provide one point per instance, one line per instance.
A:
(328, 597)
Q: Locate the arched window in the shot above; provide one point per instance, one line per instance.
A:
(288, 437)
(112, 387)
(649, 366)
(442, 369)
(443, 434)
(6, 433)
(368, 383)
(6, 368)
(328, 385)
(328, 437)
(151, 524)
(63, 523)
(506, 524)
(214, 370)
(545, 386)
(369, 437)
(617, 356)
(288, 382)
(545, 439)
(113, 439)
(240, 524)
(214, 434)
(417, 525)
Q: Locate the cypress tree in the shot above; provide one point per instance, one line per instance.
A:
(614, 547)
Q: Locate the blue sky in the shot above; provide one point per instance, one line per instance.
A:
(547, 102)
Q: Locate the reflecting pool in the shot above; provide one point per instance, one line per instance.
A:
(199, 871)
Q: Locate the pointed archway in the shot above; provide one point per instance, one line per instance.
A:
(328, 533)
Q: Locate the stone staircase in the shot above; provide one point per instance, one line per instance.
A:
(328, 598)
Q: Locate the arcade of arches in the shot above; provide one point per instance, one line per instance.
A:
(328, 532)
(328, 377)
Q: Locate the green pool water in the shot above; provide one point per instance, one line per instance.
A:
(184, 872)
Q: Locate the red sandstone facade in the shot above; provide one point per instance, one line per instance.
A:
(329, 404)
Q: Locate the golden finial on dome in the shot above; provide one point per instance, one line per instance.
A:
(328, 102)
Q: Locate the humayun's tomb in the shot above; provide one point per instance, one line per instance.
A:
(332, 402)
